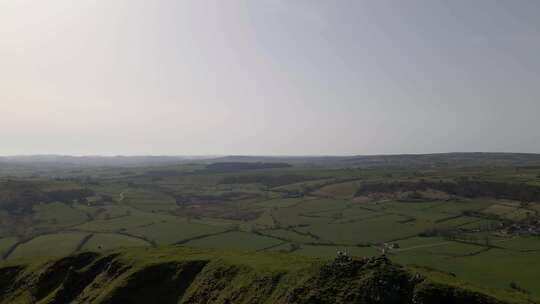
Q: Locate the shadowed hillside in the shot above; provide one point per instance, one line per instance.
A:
(183, 275)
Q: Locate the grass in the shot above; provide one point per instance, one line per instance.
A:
(278, 203)
(108, 241)
(420, 241)
(64, 243)
(57, 215)
(330, 252)
(358, 212)
(341, 190)
(6, 243)
(124, 222)
(507, 211)
(149, 201)
(235, 240)
(494, 268)
(374, 230)
(108, 211)
(171, 231)
(191, 275)
(290, 236)
(425, 210)
(523, 244)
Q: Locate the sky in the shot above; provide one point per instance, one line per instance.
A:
(268, 77)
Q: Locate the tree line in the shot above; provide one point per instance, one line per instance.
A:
(19, 197)
(462, 188)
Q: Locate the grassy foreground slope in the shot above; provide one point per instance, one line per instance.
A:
(185, 275)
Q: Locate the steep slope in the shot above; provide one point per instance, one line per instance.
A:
(184, 275)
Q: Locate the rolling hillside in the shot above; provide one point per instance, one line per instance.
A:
(184, 275)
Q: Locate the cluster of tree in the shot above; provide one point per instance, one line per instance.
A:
(237, 166)
(67, 196)
(471, 239)
(187, 199)
(475, 213)
(294, 194)
(413, 196)
(515, 286)
(452, 234)
(267, 180)
(463, 188)
(19, 197)
(158, 174)
(438, 231)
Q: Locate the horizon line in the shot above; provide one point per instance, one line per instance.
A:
(253, 155)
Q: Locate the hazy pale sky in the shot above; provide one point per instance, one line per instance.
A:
(268, 76)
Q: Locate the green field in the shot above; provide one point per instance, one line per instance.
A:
(416, 215)
(58, 244)
(235, 240)
(108, 241)
(6, 244)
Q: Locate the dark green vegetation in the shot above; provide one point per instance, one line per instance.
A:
(236, 166)
(182, 275)
(461, 188)
(474, 216)
(19, 197)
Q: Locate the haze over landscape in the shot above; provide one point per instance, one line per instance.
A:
(269, 152)
(268, 77)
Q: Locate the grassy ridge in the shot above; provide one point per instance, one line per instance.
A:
(186, 275)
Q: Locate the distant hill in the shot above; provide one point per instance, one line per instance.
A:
(447, 160)
(236, 166)
(398, 160)
(458, 159)
(96, 161)
(285, 159)
(171, 275)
